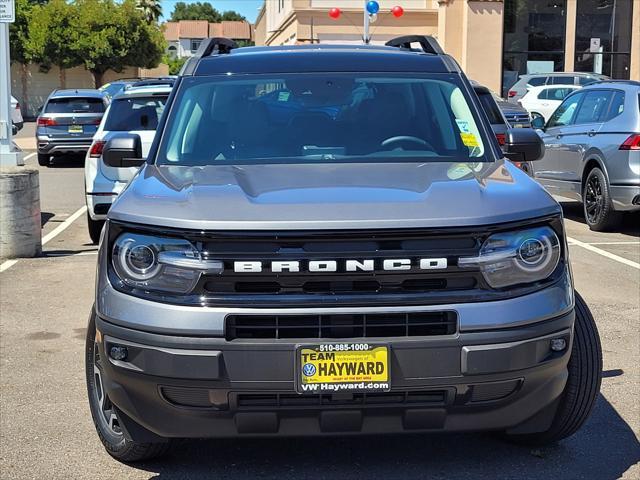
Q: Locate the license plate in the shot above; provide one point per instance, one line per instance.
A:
(75, 128)
(342, 367)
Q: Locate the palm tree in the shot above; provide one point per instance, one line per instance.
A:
(151, 9)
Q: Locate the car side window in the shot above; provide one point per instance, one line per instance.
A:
(594, 107)
(563, 80)
(616, 107)
(536, 81)
(543, 95)
(565, 112)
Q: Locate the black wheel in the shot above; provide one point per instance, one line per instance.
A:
(95, 229)
(43, 160)
(596, 200)
(104, 414)
(583, 384)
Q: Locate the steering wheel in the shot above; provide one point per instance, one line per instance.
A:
(406, 138)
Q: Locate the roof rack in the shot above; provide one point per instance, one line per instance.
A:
(208, 47)
(428, 44)
(153, 81)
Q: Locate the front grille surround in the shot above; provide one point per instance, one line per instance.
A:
(354, 289)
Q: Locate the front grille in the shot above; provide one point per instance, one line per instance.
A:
(412, 324)
(305, 286)
(286, 401)
(518, 118)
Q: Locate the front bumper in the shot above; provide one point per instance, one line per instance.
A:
(176, 386)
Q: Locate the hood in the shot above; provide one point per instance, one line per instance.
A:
(331, 196)
(508, 107)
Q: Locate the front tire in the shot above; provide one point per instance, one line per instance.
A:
(95, 229)
(43, 160)
(597, 203)
(104, 414)
(583, 383)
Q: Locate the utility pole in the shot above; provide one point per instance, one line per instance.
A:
(366, 38)
(20, 233)
(8, 157)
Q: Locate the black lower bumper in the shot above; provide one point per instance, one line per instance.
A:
(208, 387)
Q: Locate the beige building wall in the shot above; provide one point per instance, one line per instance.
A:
(39, 84)
(469, 30)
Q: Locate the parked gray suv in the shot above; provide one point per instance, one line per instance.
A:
(593, 151)
(67, 122)
(328, 240)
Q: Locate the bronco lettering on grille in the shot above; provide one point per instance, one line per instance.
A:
(368, 265)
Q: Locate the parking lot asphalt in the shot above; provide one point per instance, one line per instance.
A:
(46, 429)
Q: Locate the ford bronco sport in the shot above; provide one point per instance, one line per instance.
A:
(328, 240)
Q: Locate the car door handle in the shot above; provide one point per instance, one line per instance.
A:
(591, 133)
(558, 136)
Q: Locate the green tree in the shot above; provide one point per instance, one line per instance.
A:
(231, 15)
(174, 63)
(18, 40)
(151, 9)
(52, 37)
(114, 36)
(195, 11)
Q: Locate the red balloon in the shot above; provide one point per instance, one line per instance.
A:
(397, 11)
(335, 13)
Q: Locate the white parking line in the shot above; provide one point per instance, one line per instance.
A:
(29, 156)
(7, 264)
(64, 225)
(51, 235)
(604, 253)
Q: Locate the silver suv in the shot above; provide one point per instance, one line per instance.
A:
(593, 151)
(67, 122)
(334, 252)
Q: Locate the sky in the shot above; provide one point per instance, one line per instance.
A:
(248, 8)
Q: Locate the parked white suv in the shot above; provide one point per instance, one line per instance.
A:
(135, 110)
(543, 101)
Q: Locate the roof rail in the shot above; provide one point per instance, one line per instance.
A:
(208, 47)
(427, 43)
(611, 80)
(215, 46)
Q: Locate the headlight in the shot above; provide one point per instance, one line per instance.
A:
(512, 258)
(157, 263)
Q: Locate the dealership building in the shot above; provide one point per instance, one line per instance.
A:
(494, 41)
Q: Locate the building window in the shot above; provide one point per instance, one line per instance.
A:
(173, 51)
(603, 37)
(195, 44)
(534, 38)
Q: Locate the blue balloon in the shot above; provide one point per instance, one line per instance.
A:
(373, 7)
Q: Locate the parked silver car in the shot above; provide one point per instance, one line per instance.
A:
(593, 150)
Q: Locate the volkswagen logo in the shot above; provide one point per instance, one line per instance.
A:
(309, 369)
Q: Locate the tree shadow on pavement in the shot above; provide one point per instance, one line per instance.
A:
(629, 224)
(604, 448)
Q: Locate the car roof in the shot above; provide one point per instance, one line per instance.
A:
(322, 58)
(144, 91)
(632, 85)
(78, 92)
(563, 74)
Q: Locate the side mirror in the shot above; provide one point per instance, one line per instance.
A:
(123, 150)
(538, 122)
(523, 145)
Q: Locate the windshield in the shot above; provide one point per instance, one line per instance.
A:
(307, 118)
(136, 113)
